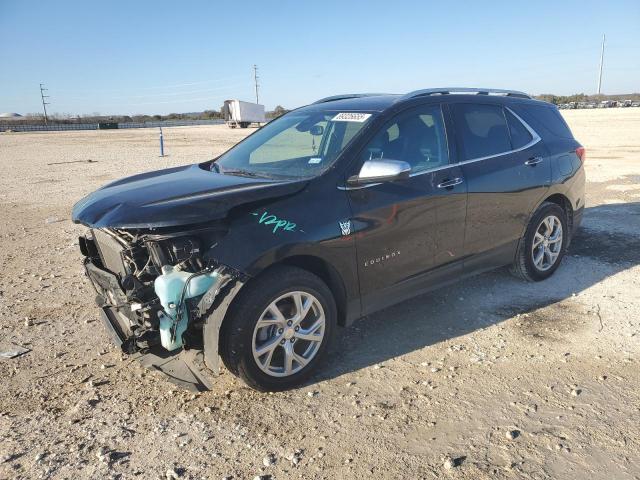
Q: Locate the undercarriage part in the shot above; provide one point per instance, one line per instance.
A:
(211, 330)
(157, 254)
(185, 369)
(173, 288)
(110, 251)
(166, 315)
(179, 250)
(114, 327)
(193, 369)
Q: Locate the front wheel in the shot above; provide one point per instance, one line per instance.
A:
(541, 249)
(279, 329)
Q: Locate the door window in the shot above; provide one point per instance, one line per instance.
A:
(416, 136)
(520, 136)
(483, 130)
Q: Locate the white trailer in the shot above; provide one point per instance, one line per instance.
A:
(242, 114)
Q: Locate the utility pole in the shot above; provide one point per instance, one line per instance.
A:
(255, 79)
(44, 104)
(601, 64)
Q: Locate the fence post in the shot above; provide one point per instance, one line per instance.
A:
(161, 143)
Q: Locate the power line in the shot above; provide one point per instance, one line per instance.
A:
(181, 100)
(255, 80)
(144, 88)
(44, 104)
(177, 94)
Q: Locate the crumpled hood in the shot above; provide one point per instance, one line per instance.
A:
(173, 197)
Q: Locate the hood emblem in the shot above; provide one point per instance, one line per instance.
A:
(345, 227)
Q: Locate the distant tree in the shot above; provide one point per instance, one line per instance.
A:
(277, 112)
(209, 115)
(548, 97)
(559, 99)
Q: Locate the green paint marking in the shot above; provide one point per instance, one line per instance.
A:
(278, 224)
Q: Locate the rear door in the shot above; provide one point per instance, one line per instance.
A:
(406, 229)
(507, 173)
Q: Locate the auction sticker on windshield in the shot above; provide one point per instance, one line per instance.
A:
(351, 117)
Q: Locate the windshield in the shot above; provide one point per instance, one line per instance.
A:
(298, 144)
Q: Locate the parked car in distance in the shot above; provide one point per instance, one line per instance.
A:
(327, 214)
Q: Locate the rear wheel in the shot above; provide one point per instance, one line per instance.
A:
(541, 249)
(279, 329)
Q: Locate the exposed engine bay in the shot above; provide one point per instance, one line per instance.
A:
(158, 293)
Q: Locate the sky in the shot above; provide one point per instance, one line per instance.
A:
(159, 57)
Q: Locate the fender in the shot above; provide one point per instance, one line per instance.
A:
(324, 261)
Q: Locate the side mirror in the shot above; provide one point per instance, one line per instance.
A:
(316, 130)
(377, 171)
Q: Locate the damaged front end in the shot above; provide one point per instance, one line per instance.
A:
(160, 300)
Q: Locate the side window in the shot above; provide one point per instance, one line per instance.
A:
(482, 128)
(416, 136)
(520, 136)
(547, 117)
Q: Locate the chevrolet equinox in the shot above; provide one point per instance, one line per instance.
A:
(324, 215)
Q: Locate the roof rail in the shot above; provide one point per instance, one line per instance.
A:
(346, 96)
(453, 90)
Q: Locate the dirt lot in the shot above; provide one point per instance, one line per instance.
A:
(492, 378)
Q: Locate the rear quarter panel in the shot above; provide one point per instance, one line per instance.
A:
(567, 170)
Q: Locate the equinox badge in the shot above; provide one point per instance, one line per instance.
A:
(382, 258)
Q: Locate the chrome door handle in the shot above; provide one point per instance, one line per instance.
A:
(450, 183)
(533, 161)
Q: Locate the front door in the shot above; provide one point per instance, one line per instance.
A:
(405, 229)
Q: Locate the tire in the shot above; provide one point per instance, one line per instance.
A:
(242, 340)
(525, 265)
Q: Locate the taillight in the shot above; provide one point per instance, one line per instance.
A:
(581, 152)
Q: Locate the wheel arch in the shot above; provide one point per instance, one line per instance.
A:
(327, 273)
(316, 265)
(563, 202)
(559, 199)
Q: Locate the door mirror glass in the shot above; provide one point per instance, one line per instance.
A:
(377, 171)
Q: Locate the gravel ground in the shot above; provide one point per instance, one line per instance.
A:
(490, 378)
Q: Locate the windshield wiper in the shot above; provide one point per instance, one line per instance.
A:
(242, 173)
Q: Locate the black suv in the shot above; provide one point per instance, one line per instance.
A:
(331, 212)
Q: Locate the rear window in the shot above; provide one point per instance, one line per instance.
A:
(483, 129)
(548, 118)
(520, 136)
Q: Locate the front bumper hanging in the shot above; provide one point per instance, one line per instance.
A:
(194, 368)
(184, 368)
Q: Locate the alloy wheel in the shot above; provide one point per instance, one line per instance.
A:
(288, 334)
(547, 243)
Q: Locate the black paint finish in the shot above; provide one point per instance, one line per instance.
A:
(403, 237)
(174, 197)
